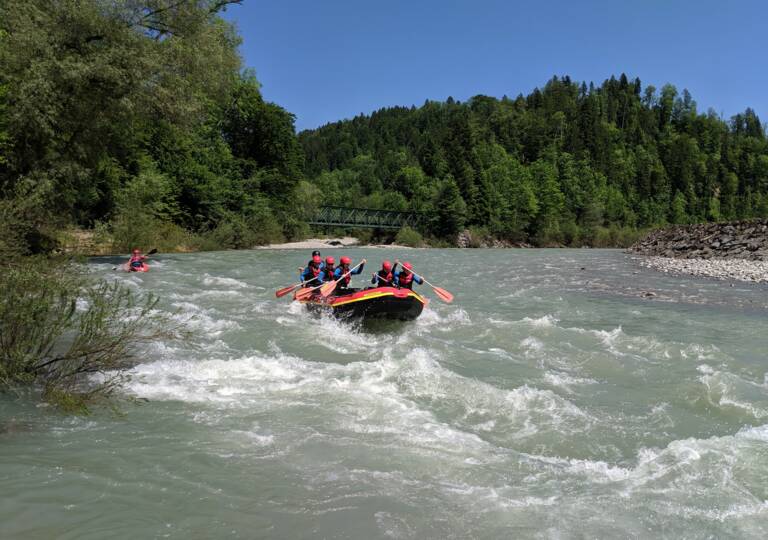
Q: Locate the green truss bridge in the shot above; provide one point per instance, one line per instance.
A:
(340, 216)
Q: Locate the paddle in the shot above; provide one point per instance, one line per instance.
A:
(285, 290)
(306, 293)
(329, 287)
(444, 295)
(377, 276)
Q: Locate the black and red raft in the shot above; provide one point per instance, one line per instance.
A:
(372, 303)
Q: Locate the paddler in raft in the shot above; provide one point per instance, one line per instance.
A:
(384, 277)
(404, 278)
(312, 274)
(328, 270)
(342, 269)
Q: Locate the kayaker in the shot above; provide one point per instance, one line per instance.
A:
(384, 277)
(136, 261)
(405, 277)
(343, 268)
(312, 274)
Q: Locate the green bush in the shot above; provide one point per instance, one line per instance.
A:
(68, 336)
(479, 237)
(409, 237)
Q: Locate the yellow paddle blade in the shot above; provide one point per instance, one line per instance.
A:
(328, 288)
(303, 294)
(444, 295)
(285, 290)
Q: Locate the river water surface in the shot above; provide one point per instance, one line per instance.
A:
(552, 399)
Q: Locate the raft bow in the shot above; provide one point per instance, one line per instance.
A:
(373, 303)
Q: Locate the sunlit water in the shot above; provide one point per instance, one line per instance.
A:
(551, 400)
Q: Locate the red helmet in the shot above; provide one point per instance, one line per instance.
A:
(136, 251)
(316, 259)
(346, 260)
(408, 266)
(386, 265)
(330, 260)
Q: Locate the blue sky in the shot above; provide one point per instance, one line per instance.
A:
(325, 60)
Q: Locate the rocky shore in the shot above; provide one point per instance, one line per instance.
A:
(729, 251)
(731, 240)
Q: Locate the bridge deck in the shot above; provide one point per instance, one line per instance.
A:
(339, 216)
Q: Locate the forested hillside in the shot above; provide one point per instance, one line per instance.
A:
(136, 118)
(567, 164)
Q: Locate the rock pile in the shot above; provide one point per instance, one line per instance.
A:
(733, 240)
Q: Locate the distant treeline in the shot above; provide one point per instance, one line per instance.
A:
(567, 164)
(137, 120)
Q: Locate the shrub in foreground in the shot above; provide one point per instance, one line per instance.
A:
(68, 336)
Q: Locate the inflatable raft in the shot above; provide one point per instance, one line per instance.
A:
(373, 303)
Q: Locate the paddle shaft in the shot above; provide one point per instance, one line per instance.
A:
(438, 290)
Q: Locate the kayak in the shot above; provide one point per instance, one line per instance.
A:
(372, 303)
(143, 268)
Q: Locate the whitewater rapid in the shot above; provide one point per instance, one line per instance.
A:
(551, 400)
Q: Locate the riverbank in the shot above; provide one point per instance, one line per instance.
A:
(330, 243)
(746, 240)
(722, 269)
(735, 250)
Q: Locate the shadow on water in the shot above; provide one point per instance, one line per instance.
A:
(382, 326)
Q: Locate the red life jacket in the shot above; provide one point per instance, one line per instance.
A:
(384, 275)
(315, 272)
(345, 280)
(328, 274)
(406, 280)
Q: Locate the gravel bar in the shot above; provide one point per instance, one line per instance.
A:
(726, 269)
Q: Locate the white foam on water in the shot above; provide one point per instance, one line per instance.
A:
(193, 317)
(205, 295)
(729, 391)
(531, 345)
(566, 381)
(443, 318)
(598, 472)
(480, 407)
(210, 280)
(545, 321)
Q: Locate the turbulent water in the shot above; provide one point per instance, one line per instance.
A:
(555, 398)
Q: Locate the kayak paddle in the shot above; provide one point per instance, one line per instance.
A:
(329, 287)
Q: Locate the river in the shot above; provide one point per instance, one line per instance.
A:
(555, 398)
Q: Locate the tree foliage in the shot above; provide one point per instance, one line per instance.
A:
(138, 112)
(569, 163)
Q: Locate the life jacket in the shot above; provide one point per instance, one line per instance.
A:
(328, 274)
(346, 279)
(315, 271)
(406, 281)
(385, 275)
(136, 262)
